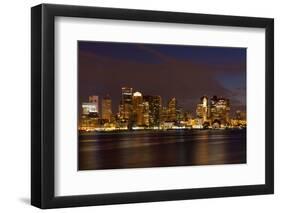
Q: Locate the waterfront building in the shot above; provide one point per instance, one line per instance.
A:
(89, 118)
(155, 104)
(163, 114)
(202, 109)
(172, 107)
(239, 119)
(106, 109)
(94, 99)
(146, 116)
(188, 115)
(168, 125)
(220, 108)
(180, 116)
(89, 108)
(127, 95)
(197, 123)
(138, 108)
(126, 103)
(89, 122)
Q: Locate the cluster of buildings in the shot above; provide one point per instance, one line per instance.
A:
(138, 111)
(214, 112)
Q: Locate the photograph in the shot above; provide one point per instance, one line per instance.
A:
(158, 105)
(121, 97)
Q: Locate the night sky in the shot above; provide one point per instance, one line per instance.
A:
(184, 72)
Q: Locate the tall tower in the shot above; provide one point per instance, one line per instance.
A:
(146, 114)
(138, 108)
(126, 103)
(204, 101)
(155, 104)
(94, 99)
(202, 109)
(220, 108)
(172, 109)
(106, 108)
(127, 94)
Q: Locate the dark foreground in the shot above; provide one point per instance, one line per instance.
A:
(139, 149)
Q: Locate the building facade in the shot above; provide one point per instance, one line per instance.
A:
(155, 105)
(172, 109)
(106, 109)
(220, 108)
(202, 109)
(94, 99)
(90, 113)
(126, 103)
(138, 109)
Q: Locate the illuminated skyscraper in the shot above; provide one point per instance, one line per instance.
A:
(164, 114)
(126, 103)
(127, 94)
(92, 106)
(202, 109)
(155, 104)
(172, 109)
(180, 114)
(137, 100)
(220, 108)
(146, 113)
(90, 116)
(95, 101)
(138, 107)
(106, 108)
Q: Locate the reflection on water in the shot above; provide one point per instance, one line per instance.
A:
(139, 149)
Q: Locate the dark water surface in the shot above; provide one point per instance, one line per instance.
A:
(139, 149)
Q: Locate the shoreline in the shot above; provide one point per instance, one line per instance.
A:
(83, 132)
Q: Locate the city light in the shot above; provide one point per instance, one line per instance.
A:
(146, 112)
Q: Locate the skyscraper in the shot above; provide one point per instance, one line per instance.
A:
(155, 104)
(126, 103)
(172, 109)
(89, 117)
(180, 114)
(127, 93)
(164, 114)
(220, 108)
(202, 110)
(92, 106)
(146, 113)
(95, 101)
(138, 107)
(106, 108)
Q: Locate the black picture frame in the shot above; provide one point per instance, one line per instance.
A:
(43, 117)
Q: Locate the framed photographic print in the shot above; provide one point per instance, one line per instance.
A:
(139, 106)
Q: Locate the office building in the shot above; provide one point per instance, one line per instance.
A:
(137, 103)
(126, 103)
(155, 104)
(202, 109)
(95, 101)
(172, 107)
(220, 108)
(106, 109)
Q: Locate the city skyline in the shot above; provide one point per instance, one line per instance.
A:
(96, 98)
(158, 105)
(144, 111)
(187, 72)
